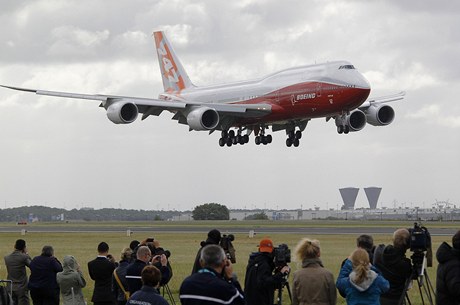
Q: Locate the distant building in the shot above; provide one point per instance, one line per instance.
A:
(373, 194)
(349, 195)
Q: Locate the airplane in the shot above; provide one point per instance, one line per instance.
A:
(285, 100)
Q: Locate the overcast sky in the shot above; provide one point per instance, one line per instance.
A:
(66, 153)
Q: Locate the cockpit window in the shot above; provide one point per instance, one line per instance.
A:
(348, 67)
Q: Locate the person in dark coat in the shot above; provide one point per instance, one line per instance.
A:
(214, 283)
(100, 270)
(148, 294)
(448, 273)
(118, 292)
(393, 264)
(260, 281)
(16, 264)
(213, 239)
(43, 286)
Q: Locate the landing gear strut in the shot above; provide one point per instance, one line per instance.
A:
(262, 138)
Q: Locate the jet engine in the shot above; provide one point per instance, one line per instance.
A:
(122, 112)
(355, 121)
(203, 118)
(379, 114)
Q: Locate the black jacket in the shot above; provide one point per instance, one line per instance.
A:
(147, 296)
(133, 275)
(206, 287)
(448, 275)
(395, 267)
(101, 271)
(43, 270)
(260, 282)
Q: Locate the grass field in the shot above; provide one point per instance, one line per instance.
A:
(183, 246)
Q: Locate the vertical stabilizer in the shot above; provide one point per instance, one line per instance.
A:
(175, 79)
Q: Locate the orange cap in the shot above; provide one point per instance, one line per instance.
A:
(266, 245)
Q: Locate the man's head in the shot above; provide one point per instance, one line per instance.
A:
(151, 276)
(103, 248)
(365, 242)
(143, 254)
(212, 256)
(47, 251)
(213, 237)
(401, 239)
(456, 240)
(266, 245)
(20, 244)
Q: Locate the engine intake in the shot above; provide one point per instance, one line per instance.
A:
(122, 112)
(203, 118)
(380, 115)
(355, 121)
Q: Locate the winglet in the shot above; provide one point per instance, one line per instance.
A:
(175, 79)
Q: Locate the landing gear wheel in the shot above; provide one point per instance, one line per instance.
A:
(222, 142)
(340, 129)
(246, 138)
(296, 143)
(231, 134)
(224, 133)
(229, 142)
(298, 135)
(257, 140)
(269, 138)
(346, 129)
(288, 142)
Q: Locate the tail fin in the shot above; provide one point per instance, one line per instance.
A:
(173, 73)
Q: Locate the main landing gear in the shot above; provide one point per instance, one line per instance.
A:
(343, 129)
(229, 138)
(262, 138)
(293, 138)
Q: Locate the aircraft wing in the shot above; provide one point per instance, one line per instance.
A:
(383, 99)
(149, 106)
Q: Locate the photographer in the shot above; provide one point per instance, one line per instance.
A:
(260, 281)
(448, 273)
(393, 264)
(213, 239)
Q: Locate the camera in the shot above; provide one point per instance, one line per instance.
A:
(226, 244)
(161, 251)
(420, 245)
(281, 255)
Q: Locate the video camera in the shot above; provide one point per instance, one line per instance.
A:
(226, 244)
(161, 251)
(420, 245)
(281, 255)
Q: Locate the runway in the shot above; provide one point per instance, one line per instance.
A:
(323, 230)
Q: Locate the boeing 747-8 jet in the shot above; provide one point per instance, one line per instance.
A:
(285, 100)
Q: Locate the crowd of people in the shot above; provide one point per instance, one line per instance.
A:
(369, 275)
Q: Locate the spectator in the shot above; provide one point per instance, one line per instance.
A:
(119, 283)
(213, 239)
(43, 286)
(393, 264)
(361, 284)
(148, 294)
(214, 283)
(448, 273)
(262, 276)
(71, 282)
(100, 270)
(313, 284)
(16, 263)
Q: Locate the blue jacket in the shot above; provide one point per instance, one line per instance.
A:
(207, 287)
(365, 293)
(147, 295)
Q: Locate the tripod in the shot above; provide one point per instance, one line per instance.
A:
(284, 283)
(169, 293)
(426, 291)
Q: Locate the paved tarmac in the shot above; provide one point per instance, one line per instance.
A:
(227, 229)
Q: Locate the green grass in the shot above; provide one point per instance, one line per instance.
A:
(183, 246)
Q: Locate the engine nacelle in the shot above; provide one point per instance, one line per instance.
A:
(355, 121)
(122, 112)
(380, 114)
(203, 118)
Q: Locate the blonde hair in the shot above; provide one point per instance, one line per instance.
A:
(360, 260)
(307, 248)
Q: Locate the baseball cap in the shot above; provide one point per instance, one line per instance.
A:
(266, 245)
